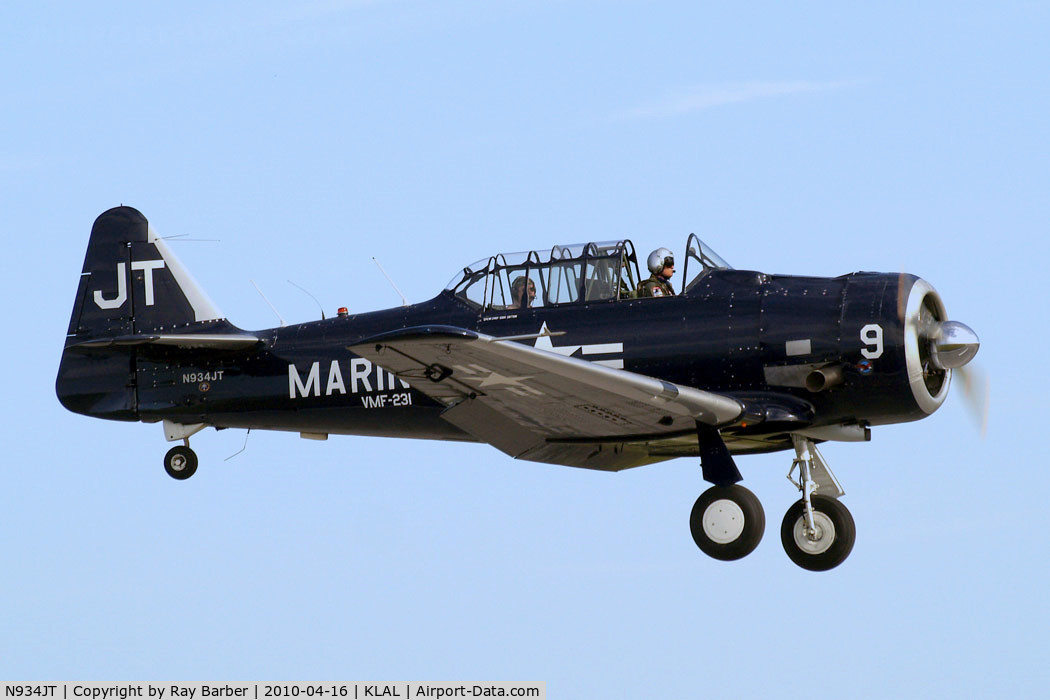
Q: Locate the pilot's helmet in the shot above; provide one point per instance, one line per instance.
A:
(659, 259)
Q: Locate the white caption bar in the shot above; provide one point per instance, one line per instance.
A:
(270, 691)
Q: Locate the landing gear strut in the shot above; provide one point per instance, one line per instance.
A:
(818, 531)
(727, 521)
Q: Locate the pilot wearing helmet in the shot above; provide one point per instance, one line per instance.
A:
(661, 264)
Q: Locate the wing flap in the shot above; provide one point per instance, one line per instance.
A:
(507, 435)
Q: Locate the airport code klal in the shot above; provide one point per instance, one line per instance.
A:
(269, 691)
(393, 691)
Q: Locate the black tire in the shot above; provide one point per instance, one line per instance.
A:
(727, 522)
(821, 554)
(180, 462)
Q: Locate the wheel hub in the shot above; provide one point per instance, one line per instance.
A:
(178, 463)
(818, 540)
(723, 521)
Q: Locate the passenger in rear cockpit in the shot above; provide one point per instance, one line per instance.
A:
(524, 292)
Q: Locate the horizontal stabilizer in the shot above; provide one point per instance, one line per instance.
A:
(186, 341)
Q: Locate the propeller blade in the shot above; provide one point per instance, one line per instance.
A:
(976, 391)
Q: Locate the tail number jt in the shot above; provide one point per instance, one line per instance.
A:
(871, 336)
(147, 267)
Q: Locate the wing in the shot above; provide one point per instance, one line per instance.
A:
(540, 406)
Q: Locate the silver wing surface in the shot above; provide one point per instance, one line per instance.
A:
(540, 406)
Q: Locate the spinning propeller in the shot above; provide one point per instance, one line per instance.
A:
(975, 386)
(951, 345)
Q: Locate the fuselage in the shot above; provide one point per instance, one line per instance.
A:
(734, 332)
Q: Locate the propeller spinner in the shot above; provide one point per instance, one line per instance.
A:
(952, 344)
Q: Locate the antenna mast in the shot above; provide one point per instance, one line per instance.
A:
(404, 301)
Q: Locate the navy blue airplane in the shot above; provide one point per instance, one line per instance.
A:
(548, 357)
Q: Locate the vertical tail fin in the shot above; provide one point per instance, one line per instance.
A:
(131, 284)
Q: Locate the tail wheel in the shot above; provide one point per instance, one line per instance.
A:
(830, 541)
(180, 462)
(727, 522)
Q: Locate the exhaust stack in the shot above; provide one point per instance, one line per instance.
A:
(824, 378)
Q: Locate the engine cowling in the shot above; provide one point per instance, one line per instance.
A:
(933, 346)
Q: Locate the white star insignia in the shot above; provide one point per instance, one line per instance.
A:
(496, 379)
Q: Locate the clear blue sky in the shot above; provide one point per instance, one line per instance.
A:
(308, 137)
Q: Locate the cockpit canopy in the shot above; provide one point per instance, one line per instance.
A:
(571, 274)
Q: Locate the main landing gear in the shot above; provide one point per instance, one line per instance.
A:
(818, 531)
(727, 521)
